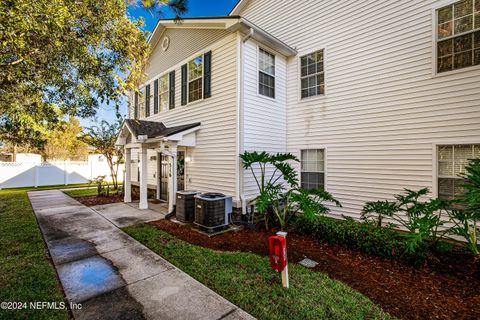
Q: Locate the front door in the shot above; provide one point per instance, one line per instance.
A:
(163, 177)
(164, 167)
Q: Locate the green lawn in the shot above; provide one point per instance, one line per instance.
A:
(247, 280)
(87, 192)
(26, 273)
(81, 192)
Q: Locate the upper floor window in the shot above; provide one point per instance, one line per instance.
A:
(312, 74)
(452, 160)
(195, 79)
(458, 35)
(163, 92)
(141, 103)
(266, 73)
(312, 174)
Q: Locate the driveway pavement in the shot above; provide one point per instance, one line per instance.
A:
(113, 276)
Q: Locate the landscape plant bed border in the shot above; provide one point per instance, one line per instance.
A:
(89, 197)
(247, 280)
(90, 201)
(443, 290)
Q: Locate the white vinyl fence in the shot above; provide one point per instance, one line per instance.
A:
(31, 174)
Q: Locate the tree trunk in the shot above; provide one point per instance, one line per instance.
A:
(14, 153)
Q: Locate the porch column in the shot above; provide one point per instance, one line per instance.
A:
(173, 180)
(143, 179)
(159, 174)
(127, 184)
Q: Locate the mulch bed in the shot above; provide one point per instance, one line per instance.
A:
(96, 200)
(446, 289)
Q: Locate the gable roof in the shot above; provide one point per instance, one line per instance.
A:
(153, 129)
(231, 23)
(238, 7)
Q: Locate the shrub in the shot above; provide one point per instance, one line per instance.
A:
(296, 201)
(102, 185)
(422, 219)
(375, 211)
(466, 219)
(269, 183)
(366, 237)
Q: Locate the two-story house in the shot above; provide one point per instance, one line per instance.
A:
(372, 96)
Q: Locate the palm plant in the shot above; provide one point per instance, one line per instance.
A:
(285, 204)
(269, 170)
(376, 211)
(466, 219)
(422, 219)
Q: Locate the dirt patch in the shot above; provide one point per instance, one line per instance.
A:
(445, 289)
(96, 200)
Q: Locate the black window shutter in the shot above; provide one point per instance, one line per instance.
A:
(171, 89)
(184, 84)
(135, 106)
(147, 101)
(207, 75)
(155, 96)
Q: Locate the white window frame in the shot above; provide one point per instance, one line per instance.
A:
(202, 55)
(299, 74)
(325, 176)
(434, 20)
(258, 73)
(141, 102)
(300, 77)
(435, 146)
(167, 75)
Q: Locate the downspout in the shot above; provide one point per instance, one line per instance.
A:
(240, 117)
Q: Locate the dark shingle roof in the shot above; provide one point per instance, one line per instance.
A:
(153, 129)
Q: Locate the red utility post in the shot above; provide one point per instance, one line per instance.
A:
(278, 255)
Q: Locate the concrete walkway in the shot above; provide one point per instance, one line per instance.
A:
(112, 275)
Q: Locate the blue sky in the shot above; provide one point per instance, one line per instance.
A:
(196, 8)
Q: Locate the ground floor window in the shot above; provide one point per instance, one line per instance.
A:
(452, 160)
(312, 174)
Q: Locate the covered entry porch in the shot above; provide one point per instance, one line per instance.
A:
(151, 149)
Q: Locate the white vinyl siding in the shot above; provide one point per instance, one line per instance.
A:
(213, 165)
(264, 120)
(385, 109)
(184, 43)
(452, 160)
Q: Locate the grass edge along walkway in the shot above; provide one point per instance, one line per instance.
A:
(246, 280)
(27, 274)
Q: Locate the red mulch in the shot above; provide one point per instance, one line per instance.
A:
(96, 200)
(446, 289)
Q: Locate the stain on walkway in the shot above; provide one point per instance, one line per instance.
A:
(112, 275)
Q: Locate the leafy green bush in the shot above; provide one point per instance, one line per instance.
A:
(466, 219)
(366, 237)
(296, 201)
(268, 183)
(101, 184)
(422, 219)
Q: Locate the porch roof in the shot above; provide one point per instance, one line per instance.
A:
(151, 129)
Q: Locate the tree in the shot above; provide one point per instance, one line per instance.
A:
(63, 58)
(64, 143)
(102, 137)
